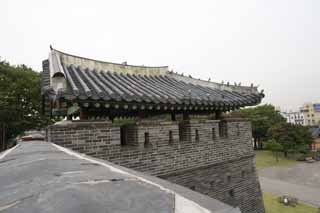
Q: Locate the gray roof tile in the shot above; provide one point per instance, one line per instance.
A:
(92, 83)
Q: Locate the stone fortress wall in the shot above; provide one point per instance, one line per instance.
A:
(214, 157)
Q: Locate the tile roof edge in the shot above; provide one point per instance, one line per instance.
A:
(213, 85)
(58, 58)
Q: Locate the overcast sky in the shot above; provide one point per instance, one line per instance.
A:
(271, 43)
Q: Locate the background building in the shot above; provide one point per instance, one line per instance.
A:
(294, 117)
(315, 132)
(311, 113)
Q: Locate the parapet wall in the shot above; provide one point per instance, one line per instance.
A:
(189, 153)
(234, 182)
(196, 146)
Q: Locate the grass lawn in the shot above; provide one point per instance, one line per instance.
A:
(266, 158)
(272, 205)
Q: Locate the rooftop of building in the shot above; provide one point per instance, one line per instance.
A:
(38, 176)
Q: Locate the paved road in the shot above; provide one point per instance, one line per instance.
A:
(301, 181)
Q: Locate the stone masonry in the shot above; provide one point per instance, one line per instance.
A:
(214, 157)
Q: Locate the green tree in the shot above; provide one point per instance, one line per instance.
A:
(262, 117)
(274, 147)
(20, 99)
(293, 138)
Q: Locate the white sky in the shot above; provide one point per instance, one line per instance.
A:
(273, 43)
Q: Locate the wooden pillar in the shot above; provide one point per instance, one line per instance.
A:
(142, 114)
(173, 117)
(186, 116)
(83, 114)
(3, 136)
(69, 117)
(43, 106)
(51, 107)
(218, 114)
(111, 117)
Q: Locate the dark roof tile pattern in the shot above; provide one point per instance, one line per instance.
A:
(106, 85)
(84, 84)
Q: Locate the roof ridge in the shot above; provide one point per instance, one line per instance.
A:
(107, 62)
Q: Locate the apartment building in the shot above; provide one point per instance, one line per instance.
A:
(294, 117)
(311, 113)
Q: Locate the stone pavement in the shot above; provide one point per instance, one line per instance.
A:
(301, 181)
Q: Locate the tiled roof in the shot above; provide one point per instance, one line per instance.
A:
(88, 80)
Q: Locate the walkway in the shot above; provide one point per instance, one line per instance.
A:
(42, 177)
(301, 181)
(303, 193)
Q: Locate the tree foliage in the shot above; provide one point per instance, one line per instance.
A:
(274, 146)
(293, 138)
(20, 99)
(262, 117)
